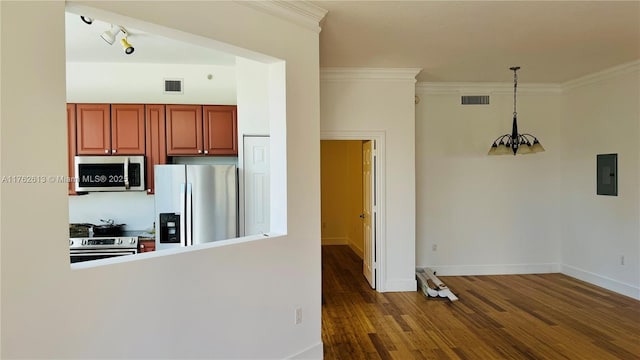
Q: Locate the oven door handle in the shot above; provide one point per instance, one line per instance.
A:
(102, 252)
(92, 255)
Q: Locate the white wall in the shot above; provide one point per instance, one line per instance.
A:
(357, 100)
(253, 96)
(135, 209)
(601, 116)
(144, 83)
(533, 213)
(487, 214)
(253, 109)
(191, 304)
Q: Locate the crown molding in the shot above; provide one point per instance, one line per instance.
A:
(369, 74)
(602, 75)
(483, 88)
(301, 12)
(497, 88)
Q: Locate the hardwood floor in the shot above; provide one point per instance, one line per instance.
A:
(546, 316)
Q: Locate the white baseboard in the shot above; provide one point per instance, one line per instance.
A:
(315, 351)
(356, 249)
(494, 269)
(602, 281)
(400, 285)
(334, 241)
(513, 269)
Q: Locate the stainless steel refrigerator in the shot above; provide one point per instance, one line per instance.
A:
(195, 204)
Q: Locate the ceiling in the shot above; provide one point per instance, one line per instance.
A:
(477, 41)
(451, 41)
(84, 44)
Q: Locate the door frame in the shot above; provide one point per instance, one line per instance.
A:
(380, 241)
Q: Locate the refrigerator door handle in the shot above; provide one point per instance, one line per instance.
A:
(189, 215)
(183, 238)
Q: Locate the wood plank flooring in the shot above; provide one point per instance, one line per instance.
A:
(546, 316)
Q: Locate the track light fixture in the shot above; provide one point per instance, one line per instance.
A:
(87, 20)
(515, 142)
(128, 49)
(110, 37)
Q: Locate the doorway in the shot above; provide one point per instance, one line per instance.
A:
(352, 210)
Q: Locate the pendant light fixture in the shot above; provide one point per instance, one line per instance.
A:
(515, 143)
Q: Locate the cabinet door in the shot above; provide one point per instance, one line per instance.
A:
(71, 146)
(220, 130)
(127, 129)
(93, 129)
(184, 129)
(156, 146)
(146, 246)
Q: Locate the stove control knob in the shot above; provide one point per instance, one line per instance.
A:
(70, 242)
(119, 241)
(132, 241)
(84, 242)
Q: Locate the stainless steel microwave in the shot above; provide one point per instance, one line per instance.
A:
(109, 173)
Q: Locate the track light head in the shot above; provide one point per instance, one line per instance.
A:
(128, 49)
(110, 35)
(87, 20)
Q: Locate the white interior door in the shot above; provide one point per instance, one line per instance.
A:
(368, 212)
(256, 185)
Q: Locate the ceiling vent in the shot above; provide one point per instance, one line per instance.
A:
(475, 100)
(173, 86)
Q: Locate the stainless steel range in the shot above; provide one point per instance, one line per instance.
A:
(93, 248)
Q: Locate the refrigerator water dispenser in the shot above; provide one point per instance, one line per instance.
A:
(169, 228)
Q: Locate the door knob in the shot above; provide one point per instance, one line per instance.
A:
(361, 216)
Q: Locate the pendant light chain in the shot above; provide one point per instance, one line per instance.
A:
(515, 88)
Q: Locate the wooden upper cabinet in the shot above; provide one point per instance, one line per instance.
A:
(220, 130)
(184, 130)
(127, 129)
(155, 141)
(71, 145)
(93, 128)
(104, 129)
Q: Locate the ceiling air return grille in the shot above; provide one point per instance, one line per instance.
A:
(475, 99)
(173, 86)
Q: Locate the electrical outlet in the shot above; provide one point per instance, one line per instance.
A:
(298, 316)
(434, 247)
(621, 259)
